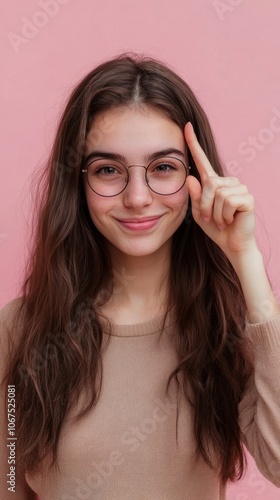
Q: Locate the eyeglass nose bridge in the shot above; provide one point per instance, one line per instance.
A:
(137, 165)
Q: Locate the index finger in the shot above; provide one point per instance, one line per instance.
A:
(204, 166)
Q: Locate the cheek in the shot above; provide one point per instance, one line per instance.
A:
(97, 206)
(180, 204)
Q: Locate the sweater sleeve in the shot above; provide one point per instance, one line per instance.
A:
(21, 490)
(259, 409)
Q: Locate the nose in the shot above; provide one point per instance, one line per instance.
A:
(137, 193)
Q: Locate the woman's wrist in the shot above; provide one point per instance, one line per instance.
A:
(260, 300)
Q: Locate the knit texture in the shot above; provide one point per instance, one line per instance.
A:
(126, 446)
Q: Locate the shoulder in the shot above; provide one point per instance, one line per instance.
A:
(9, 312)
(10, 309)
(8, 315)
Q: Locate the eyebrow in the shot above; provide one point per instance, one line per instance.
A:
(121, 158)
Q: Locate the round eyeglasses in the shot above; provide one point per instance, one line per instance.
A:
(164, 176)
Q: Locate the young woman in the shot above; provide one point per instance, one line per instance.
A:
(144, 350)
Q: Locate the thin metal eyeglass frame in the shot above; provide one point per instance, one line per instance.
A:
(85, 170)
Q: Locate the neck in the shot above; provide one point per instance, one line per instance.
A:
(140, 285)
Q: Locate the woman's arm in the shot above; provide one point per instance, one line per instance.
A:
(260, 300)
(19, 490)
(259, 409)
(224, 209)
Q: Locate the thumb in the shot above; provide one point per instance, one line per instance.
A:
(194, 189)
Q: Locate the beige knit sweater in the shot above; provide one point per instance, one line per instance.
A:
(125, 448)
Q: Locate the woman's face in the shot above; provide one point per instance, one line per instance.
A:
(136, 134)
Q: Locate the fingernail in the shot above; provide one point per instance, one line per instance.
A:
(206, 219)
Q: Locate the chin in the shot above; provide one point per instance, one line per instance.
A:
(141, 251)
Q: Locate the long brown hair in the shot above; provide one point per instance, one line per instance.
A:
(58, 353)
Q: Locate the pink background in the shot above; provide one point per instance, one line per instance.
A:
(228, 51)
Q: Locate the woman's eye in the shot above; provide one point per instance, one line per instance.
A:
(106, 170)
(164, 167)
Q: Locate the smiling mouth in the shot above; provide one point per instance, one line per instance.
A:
(140, 224)
(139, 220)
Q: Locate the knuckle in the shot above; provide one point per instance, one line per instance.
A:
(251, 199)
(220, 193)
(234, 180)
(230, 201)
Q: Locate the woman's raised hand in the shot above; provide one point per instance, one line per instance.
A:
(221, 206)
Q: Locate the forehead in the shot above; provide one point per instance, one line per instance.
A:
(133, 130)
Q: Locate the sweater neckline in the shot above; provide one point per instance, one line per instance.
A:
(142, 329)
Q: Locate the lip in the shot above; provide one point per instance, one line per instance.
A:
(140, 223)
